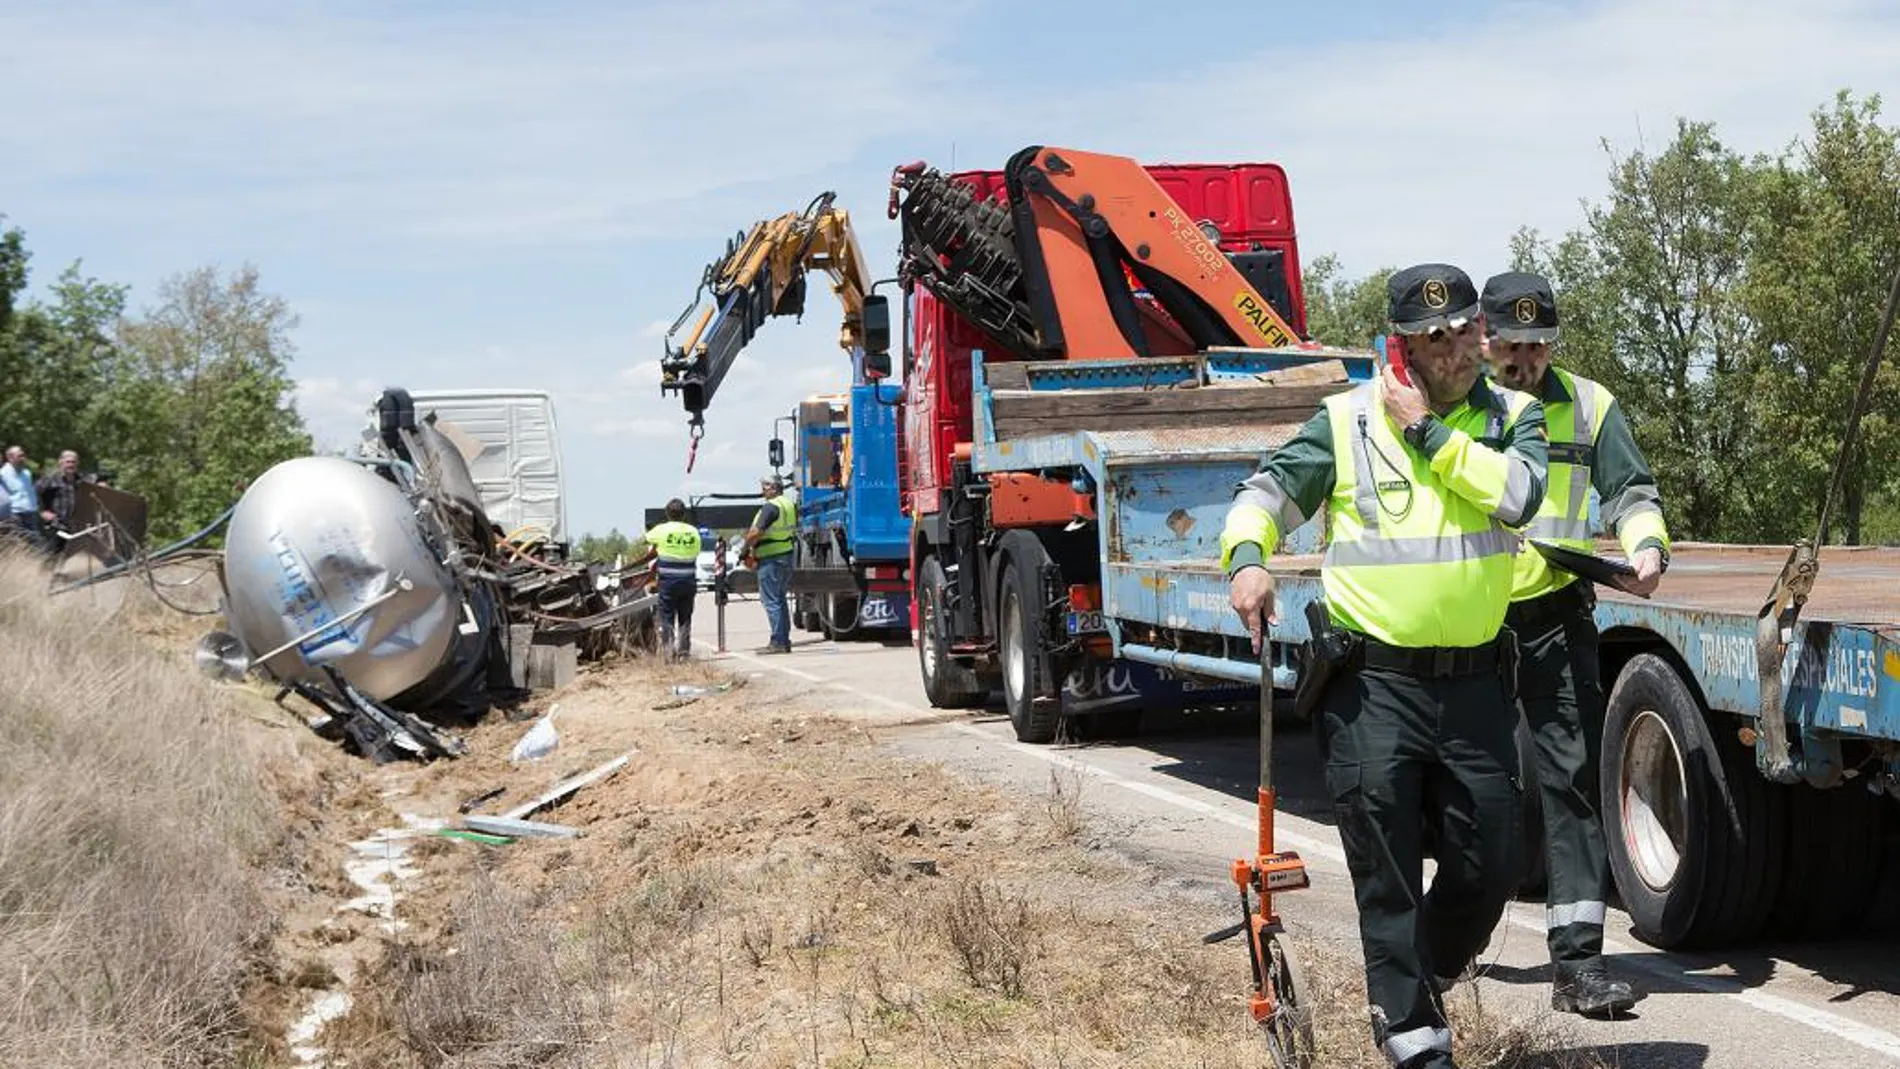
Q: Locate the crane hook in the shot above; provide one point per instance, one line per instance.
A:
(695, 430)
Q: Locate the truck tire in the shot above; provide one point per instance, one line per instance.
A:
(1833, 861)
(947, 684)
(1035, 709)
(1694, 834)
(838, 617)
(1535, 871)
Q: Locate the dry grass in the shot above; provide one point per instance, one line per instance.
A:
(133, 826)
(767, 890)
(1485, 1039)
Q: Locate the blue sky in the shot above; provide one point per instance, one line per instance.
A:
(499, 195)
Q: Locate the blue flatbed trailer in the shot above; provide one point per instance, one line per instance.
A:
(1705, 848)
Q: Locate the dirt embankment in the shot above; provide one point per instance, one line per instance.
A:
(762, 885)
(189, 877)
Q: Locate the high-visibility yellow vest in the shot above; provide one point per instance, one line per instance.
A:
(779, 538)
(678, 545)
(1564, 517)
(1410, 562)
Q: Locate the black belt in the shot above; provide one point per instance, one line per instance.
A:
(1571, 600)
(1430, 662)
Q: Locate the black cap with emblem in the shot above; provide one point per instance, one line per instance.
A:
(1430, 296)
(1519, 306)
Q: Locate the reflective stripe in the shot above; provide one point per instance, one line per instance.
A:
(1517, 489)
(1575, 913)
(1372, 550)
(1263, 492)
(1582, 430)
(1407, 1045)
(1365, 490)
(1549, 527)
(1631, 501)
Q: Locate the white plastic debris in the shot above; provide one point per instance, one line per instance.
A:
(540, 739)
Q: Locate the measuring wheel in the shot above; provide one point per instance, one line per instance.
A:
(1281, 1002)
(1288, 1026)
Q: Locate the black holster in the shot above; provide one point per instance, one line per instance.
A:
(1508, 657)
(1323, 655)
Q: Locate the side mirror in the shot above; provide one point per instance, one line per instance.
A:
(877, 334)
(775, 452)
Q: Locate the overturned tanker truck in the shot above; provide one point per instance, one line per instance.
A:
(377, 588)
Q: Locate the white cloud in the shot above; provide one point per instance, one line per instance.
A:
(637, 430)
(334, 409)
(1443, 142)
(656, 329)
(508, 125)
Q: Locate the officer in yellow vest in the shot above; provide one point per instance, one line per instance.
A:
(770, 541)
(1421, 484)
(676, 544)
(1552, 613)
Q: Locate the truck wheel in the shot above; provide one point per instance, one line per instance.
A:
(1833, 861)
(838, 617)
(1034, 712)
(1535, 875)
(1694, 834)
(947, 684)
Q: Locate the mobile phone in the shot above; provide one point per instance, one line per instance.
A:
(1395, 356)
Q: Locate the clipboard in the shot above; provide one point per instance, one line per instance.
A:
(1607, 571)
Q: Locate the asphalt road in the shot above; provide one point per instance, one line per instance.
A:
(1178, 797)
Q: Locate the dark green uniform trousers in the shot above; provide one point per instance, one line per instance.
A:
(1397, 746)
(1561, 689)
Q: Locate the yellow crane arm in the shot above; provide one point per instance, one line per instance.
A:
(761, 275)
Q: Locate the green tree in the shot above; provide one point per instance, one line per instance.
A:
(1648, 290)
(1818, 280)
(1342, 312)
(200, 396)
(602, 549)
(53, 357)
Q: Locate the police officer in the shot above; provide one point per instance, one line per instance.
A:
(677, 544)
(770, 542)
(1421, 483)
(1559, 683)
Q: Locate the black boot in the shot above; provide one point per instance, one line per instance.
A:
(1586, 988)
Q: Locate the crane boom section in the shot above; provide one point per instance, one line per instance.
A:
(762, 275)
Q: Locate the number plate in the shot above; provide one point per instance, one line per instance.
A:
(1081, 623)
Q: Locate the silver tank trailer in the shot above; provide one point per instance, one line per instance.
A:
(317, 537)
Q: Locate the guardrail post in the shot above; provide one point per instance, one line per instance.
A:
(719, 605)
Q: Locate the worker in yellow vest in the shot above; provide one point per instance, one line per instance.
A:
(676, 545)
(769, 543)
(1552, 613)
(1409, 668)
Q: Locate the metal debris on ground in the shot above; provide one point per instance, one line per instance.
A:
(475, 837)
(520, 829)
(468, 804)
(566, 789)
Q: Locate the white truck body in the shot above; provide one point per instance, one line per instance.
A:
(513, 448)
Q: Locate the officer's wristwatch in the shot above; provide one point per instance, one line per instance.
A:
(1415, 431)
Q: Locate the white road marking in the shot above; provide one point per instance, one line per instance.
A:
(1315, 843)
(761, 662)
